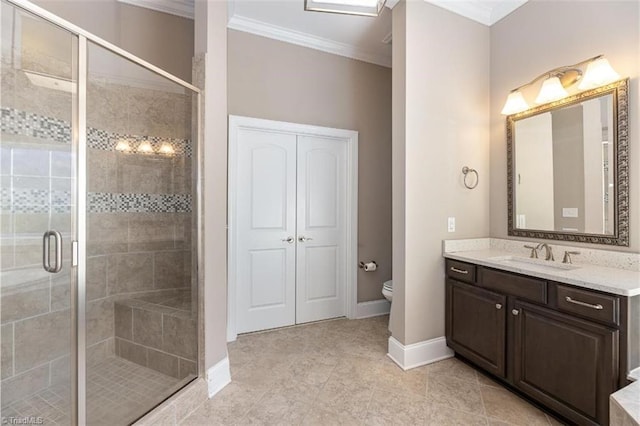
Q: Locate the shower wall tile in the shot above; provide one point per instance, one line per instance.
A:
(187, 368)
(134, 273)
(6, 351)
(61, 290)
(6, 254)
(61, 371)
(147, 328)
(28, 251)
(96, 277)
(102, 169)
(99, 320)
(107, 233)
(98, 352)
(164, 363)
(40, 339)
(150, 232)
(32, 161)
(131, 351)
(61, 163)
(106, 106)
(31, 224)
(24, 300)
(25, 384)
(169, 269)
(124, 321)
(179, 335)
(145, 174)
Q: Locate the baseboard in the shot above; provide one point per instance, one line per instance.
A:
(372, 309)
(218, 377)
(418, 354)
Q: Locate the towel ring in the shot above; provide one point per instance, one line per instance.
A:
(465, 171)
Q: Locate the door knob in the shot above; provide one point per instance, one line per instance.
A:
(304, 239)
(288, 240)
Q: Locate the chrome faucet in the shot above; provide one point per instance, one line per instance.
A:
(549, 253)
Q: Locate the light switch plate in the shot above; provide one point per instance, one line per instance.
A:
(569, 212)
(451, 224)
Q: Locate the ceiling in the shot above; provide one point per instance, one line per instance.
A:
(364, 38)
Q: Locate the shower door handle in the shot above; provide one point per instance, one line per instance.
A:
(46, 251)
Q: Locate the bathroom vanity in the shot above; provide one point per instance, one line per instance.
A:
(564, 335)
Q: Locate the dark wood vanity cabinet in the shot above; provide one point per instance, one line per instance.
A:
(531, 334)
(476, 325)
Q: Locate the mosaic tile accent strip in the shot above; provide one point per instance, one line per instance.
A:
(102, 202)
(35, 201)
(45, 201)
(24, 123)
(16, 122)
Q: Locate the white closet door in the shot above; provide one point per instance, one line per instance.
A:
(321, 246)
(265, 219)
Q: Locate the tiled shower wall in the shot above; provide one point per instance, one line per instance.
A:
(139, 220)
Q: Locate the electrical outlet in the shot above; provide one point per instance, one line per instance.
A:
(451, 224)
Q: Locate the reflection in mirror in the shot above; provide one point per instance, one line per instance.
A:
(568, 171)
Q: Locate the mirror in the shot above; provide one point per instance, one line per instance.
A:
(568, 168)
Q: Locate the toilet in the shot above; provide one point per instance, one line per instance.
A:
(387, 292)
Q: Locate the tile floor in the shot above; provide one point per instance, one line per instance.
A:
(337, 372)
(118, 391)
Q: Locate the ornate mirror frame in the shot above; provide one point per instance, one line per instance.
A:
(620, 237)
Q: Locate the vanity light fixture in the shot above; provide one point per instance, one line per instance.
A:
(598, 73)
(347, 7)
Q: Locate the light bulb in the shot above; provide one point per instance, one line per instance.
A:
(166, 149)
(123, 146)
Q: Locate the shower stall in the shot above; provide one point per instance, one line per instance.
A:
(99, 228)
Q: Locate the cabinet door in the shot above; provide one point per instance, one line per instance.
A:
(475, 325)
(568, 364)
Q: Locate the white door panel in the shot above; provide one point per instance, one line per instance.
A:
(321, 222)
(265, 218)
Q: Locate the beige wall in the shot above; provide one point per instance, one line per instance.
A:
(446, 128)
(529, 42)
(279, 81)
(210, 73)
(162, 39)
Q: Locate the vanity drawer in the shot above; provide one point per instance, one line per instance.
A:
(600, 307)
(461, 271)
(516, 285)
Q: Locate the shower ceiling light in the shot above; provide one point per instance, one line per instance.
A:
(166, 149)
(347, 7)
(145, 148)
(123, 146)
(598, 73)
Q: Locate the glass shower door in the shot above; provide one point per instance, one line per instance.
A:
(141, 293)
(37, 156)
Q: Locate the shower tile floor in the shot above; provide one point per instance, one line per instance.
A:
(337, 372)
(118, 391)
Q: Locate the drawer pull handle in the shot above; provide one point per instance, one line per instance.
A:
(586, 305)
(460, 271)
(515, 311)
(498, 306)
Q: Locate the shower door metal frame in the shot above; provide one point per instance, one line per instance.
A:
(79, 246)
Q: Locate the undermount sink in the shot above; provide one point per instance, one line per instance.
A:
(537, 263)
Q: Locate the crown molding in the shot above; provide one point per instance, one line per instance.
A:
(391, 3)
(183, 8)
(248, 25)
(476, 11)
